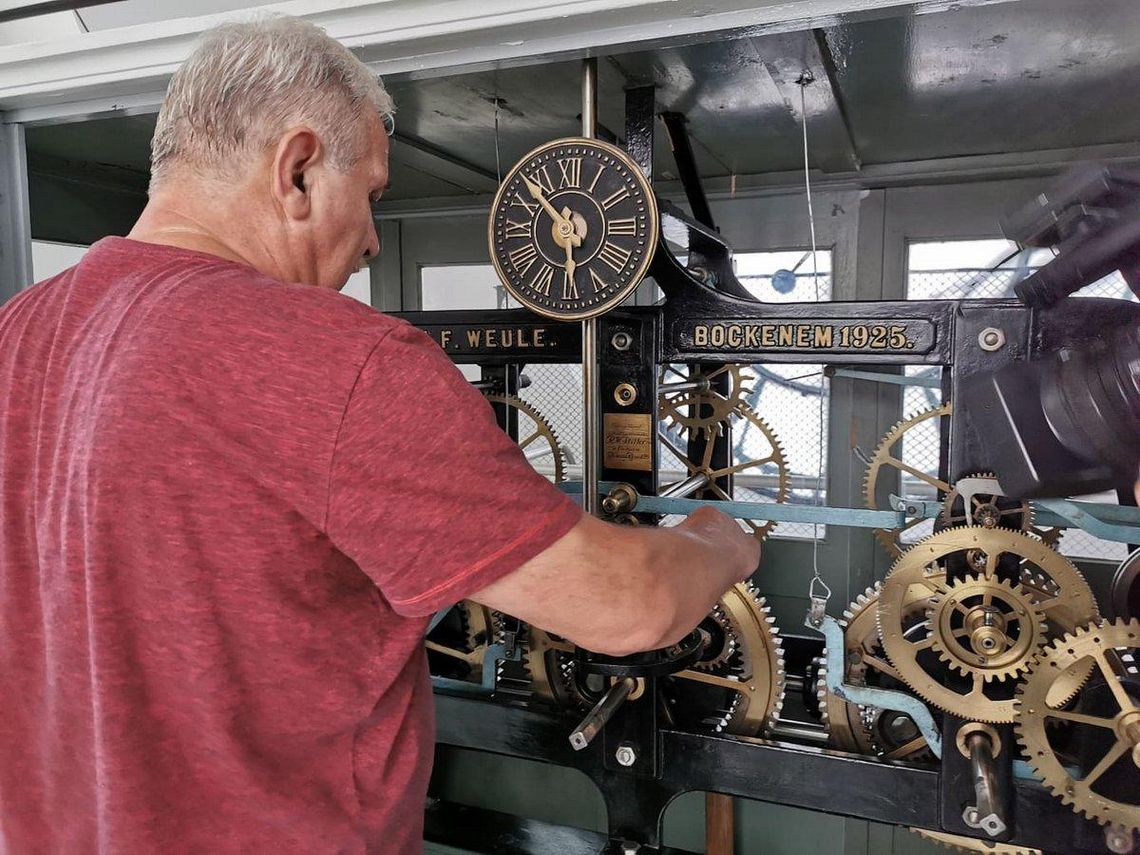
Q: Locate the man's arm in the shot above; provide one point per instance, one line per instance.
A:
(623, 589)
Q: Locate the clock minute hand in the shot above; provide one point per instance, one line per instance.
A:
(536, 192)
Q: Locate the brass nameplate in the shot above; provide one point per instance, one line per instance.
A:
(628, 441)
(889, 335)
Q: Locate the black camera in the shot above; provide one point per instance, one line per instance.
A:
(1069, 423)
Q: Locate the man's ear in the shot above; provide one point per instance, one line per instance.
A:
(298, 152)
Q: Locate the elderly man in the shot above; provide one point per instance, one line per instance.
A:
(225, 522)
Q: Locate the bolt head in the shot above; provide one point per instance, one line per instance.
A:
(625, 755)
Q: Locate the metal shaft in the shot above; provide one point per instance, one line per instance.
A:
(602, 712)
(687, 487)
(590, 327)
(984, 813)
(701, 385)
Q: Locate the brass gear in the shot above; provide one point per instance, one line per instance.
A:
(852, 727)
(753, 673)
(702, 411)
(534, 428)
(744, 694)
(923, 571)
(986, 626)
(1112, 737)
(550, 661)
(774, 455)
(973, 844)
(885, 459)
(475, 629)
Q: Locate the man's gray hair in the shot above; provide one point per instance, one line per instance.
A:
(248, 82)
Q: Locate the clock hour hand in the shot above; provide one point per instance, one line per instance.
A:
(570, 263)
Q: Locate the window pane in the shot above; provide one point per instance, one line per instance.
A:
(50, 258)
(463, 286)
(359, 286)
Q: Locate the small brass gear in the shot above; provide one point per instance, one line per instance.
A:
(986, 626)
(988, 554)
(992, 511)
(973, 844)
(773, 456)
(536, 437)
(744, 693)
(887, 461)
(1102, 729)
(460, 642)
(702, 410)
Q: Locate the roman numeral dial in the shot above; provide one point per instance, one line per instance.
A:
(573, 228)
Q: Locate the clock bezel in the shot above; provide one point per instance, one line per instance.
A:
(652, 230)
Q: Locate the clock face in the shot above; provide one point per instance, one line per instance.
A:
(573, 228)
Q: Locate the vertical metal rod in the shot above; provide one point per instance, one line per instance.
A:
(15, 217)
(590, 327)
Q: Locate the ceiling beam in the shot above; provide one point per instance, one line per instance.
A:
(802, 69)
(95, 71)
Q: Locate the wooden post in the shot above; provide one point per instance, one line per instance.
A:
(720, 824)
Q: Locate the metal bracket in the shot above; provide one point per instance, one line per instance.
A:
(867, 695)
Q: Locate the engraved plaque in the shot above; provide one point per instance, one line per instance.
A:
(628, 442)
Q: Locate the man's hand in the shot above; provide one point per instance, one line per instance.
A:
(719, 530)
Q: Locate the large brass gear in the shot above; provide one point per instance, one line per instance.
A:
(702, 411)
(886, 459)
(742, 693)
(1065, 601)
(865, 730)
(461, 641)
(962, 843)
(536, 436)
(774, 455)
(1101, 728)
(986, 626)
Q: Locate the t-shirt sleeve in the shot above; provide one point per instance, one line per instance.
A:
(426, 493)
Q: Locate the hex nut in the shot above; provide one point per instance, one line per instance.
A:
(625, 755)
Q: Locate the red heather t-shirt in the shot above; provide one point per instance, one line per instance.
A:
(229, 506)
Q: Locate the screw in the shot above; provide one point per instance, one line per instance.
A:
(625, 755)
(621, 341)
(991, 339)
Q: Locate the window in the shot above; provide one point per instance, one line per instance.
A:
(50, 258)
(978, 269)
(359, 286)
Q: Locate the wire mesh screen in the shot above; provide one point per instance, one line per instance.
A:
(955, 270)
(556, 392)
